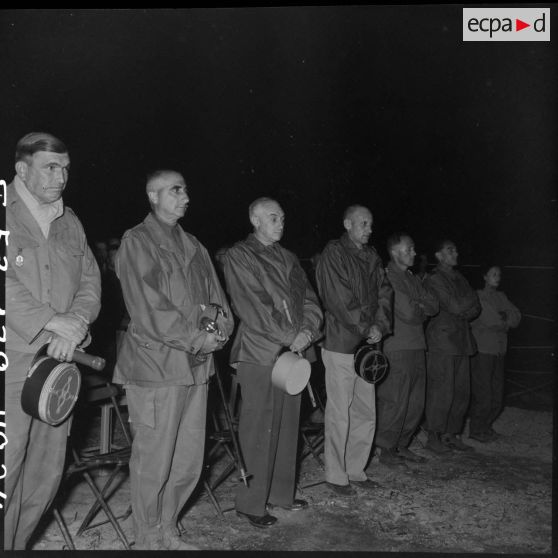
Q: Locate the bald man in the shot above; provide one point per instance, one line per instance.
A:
(278, 310)
(169, 284)
(357, 299)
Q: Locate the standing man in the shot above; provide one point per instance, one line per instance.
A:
(450, 344)
(357, 298)
(169, 284)
(278, 310)
(401, 394)
(53, 291)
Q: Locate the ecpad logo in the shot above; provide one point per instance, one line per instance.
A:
(506, 24)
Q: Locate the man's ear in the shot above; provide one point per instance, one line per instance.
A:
(438, 256)
(347, 224)
(153, 197)
(22, 170)
(255, 220)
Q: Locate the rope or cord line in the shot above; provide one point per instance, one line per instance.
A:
(529, 371)
(538, 317)
(547, 267)
(532, 347)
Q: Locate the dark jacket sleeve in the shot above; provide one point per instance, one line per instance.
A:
(336, 294)
(465, 307)
(312, 313)
(384, 314)
(252, 303)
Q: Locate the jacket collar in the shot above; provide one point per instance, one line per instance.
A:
(394, 269)
(254, 243)
(162, 240)
(366, 252)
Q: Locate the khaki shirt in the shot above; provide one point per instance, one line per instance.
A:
(45, 276)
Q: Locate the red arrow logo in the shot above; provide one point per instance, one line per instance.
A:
(519, 25)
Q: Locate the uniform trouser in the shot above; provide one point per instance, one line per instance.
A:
(350, 419)
(34, 459)
(168, 427)
(268, 436)
(447, 392)
(487, 390)
(400, 396)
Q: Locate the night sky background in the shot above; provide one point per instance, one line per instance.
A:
(318, 107)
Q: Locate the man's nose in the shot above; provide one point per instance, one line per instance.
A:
(61, 175)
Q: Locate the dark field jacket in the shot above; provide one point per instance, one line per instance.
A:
(271, 295)
(449, 331)
(355, 293)
(412, 306)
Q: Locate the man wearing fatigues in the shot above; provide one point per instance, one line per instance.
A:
(169, 284)
(401, 394)
(53, 292)
(450, 345)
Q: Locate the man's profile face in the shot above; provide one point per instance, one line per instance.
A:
(448, 254)
(45, 175)
(269, 223)
(403, 254)
(359, 226)
(493, 277)
(169, 197)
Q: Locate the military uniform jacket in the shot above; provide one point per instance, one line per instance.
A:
(165, 292)
(411, 308)
(272, 297)
(449, 331)
(45, 276)
(490, 330)
(355, 293)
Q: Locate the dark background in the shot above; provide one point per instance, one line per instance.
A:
(319, 107)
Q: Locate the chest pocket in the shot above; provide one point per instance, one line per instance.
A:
(67, 260)
(20, 251)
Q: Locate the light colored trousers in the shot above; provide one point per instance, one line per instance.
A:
(350, 419)
(168, 426)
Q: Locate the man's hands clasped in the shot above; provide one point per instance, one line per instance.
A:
(69, 330)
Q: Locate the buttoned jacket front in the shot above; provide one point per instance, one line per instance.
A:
(45, 276)
(166, 292)
(271, 295)
(355, 293)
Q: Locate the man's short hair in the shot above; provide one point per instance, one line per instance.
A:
(31, 143)
(154, 175)
(439, 245)
(394, 239)
(256, 203)
(352, 209)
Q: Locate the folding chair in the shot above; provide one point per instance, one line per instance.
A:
(224, 438)
(98, 391)
(312, 433)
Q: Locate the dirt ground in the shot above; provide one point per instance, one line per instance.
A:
(494, 500)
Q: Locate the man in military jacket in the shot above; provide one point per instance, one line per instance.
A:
(53, 291)
(401, 394)
(165, 361)
(357, 299)
(450, 345)
(278, 310)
